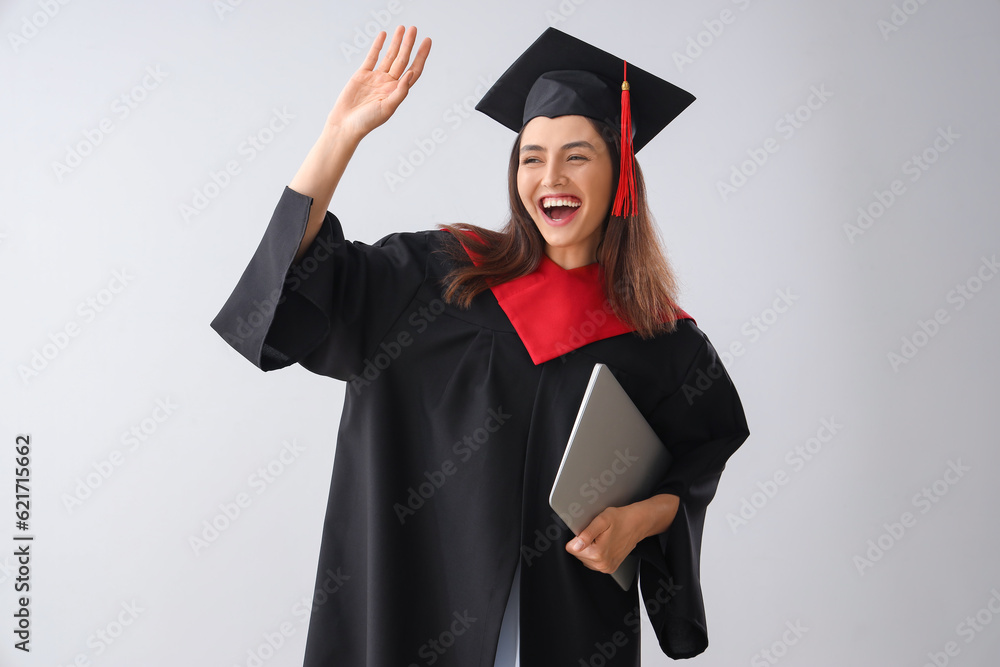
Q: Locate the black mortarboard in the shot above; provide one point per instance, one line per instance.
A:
(560, 75)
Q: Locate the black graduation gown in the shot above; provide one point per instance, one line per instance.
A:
(448, 446)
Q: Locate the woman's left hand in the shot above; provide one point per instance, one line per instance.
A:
(613, 533)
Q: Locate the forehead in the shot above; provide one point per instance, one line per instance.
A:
(554, 132)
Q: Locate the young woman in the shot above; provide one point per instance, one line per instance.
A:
(466, 352)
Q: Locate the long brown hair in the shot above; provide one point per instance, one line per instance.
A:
(638, 282)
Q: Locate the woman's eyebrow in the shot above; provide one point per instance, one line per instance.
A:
(566, 147)
(578, 144)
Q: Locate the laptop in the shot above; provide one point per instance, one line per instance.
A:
(613, 458)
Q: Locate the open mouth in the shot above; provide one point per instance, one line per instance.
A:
(559, 210)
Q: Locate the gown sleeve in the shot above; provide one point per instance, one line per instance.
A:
(703, 424)
(329, 310)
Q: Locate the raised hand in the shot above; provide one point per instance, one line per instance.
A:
(374, 92)
(371, 96)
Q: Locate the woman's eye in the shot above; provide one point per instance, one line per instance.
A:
(578, 157)
(529, 160)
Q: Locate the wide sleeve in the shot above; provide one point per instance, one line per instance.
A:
(702, 423)
(329, 310)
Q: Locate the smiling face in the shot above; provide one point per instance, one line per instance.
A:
(564, 179)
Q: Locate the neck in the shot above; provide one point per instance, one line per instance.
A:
(570, 258)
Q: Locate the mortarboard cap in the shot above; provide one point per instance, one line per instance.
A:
(560, 75)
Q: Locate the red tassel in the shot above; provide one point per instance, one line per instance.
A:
(625, 197)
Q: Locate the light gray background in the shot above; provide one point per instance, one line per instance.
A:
(224, 73)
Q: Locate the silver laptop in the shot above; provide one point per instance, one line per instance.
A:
(613, 458)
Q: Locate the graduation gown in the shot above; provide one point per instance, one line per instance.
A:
(449, 442)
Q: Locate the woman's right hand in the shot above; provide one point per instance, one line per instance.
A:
(368, 100)
(374, 93)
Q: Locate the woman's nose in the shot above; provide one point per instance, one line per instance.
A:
(554, 174)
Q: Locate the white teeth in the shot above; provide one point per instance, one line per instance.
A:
(550, 202)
